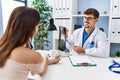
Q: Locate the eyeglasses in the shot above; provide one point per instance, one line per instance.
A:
(88, 18)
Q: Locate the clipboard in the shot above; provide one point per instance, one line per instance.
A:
(82, 60)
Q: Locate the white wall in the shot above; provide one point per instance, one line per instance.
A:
(1, 20)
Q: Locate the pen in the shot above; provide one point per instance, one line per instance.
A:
(85, 64)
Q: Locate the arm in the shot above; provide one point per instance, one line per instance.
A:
(47, 62)
(69, 42)
(41, 67)
(72, 40)
(44, 66)
(102, 49)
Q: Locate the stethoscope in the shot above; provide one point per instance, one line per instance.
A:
(114, 65)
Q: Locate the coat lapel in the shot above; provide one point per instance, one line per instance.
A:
(81, 37)
(90, 38)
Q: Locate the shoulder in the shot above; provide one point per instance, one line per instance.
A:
(25, 55)
(78, 31)
(101, 34)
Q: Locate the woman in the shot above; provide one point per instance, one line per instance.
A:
(16, 59)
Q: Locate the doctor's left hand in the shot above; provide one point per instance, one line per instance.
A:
(79, 49)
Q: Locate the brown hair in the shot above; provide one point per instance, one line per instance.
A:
(20, 28)
(92, 11)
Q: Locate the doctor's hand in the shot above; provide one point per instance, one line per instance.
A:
(79, 49)
(65, 32)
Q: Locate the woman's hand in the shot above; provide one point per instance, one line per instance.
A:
(54, 60)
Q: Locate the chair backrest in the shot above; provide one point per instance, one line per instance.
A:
(61, 42)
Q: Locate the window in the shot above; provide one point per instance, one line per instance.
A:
(6, 10)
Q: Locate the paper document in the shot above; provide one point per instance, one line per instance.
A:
(82, 60)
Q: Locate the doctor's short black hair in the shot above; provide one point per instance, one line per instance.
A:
(92, 11)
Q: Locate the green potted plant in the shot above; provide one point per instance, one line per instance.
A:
(41, 38)
(117, 54)
(101, 29)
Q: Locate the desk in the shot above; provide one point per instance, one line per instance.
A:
(65, 71)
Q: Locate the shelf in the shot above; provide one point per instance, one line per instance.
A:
(111, 40)
(107, 15)
(115, 15)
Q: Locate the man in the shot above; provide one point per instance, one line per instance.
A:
(89, 39)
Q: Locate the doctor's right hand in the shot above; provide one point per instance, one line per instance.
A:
(65, 32)
(79, 49)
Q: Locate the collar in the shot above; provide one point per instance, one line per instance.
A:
(86, 36)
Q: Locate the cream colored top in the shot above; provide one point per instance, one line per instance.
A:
(14, 70)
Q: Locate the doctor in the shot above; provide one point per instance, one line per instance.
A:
(89, 39)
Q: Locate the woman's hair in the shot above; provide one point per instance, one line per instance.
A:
(20, 28)
(92, 11)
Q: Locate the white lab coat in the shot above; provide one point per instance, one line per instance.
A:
(101, 45)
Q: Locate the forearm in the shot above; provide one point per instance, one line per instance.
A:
(44, 66)
(50, 62)
(98, 52)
